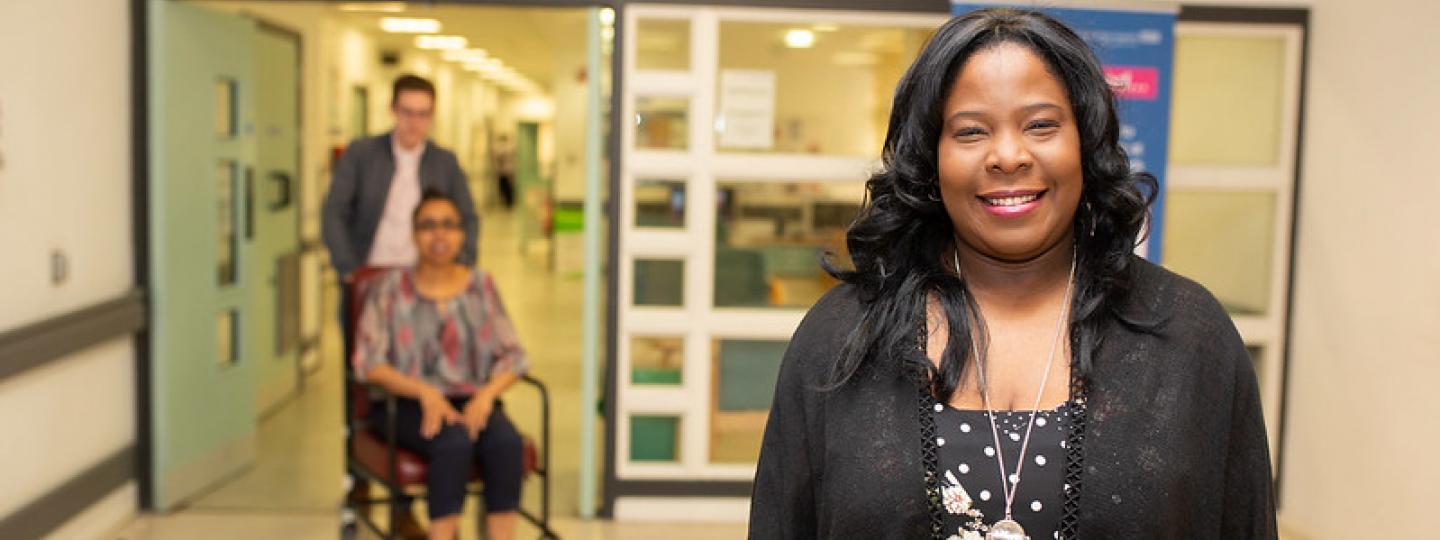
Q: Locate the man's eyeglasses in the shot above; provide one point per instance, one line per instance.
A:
(430, 225)
(412, 113)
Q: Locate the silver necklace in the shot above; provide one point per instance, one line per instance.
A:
(1008, 528)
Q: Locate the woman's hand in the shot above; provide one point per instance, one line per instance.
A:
(477, 413)
(436, 413)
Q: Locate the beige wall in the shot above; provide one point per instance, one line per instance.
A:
(65, 186)
(1362, 427)
(65, 139)
(1361, 424)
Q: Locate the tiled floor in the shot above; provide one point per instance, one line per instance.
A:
(295, 486)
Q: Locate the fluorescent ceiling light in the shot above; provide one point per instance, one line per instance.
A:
(441, 42)
(607, 16)
(406, 25)
(465, 55)
(799, 38)
(373, 7)
(483, 66)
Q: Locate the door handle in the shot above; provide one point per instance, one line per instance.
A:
(282, 187)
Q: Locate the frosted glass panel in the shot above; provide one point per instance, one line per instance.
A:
(1227, 103)
(662, 44)
(1224, 240)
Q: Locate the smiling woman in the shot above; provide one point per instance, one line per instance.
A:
(998, 362)
(1010, 161)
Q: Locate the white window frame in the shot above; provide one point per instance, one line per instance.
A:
(699, 166)
(1264, 331)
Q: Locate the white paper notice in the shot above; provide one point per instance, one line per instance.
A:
(747, 109)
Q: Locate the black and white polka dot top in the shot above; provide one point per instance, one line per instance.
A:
(969, 475)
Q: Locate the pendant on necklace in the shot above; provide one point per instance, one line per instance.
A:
(1006, 529)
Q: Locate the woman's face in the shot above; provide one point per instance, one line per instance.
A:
(438, 232)
(1009, 155)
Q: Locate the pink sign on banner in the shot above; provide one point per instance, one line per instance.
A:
(1134, 82)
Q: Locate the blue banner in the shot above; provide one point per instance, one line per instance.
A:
(1137, 49)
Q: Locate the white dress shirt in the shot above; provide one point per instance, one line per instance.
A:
(394, 244)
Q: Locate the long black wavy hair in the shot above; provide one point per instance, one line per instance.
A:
(897, 240)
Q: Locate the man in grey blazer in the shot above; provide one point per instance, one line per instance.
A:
(378, 181)
(368, 211)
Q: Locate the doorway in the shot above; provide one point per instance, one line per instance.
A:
(258, 99)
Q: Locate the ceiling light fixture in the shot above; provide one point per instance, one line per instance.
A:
(465, 55)
(799, 38)
(441, 42)
(406, 25)
(373, 7)
(483, 66)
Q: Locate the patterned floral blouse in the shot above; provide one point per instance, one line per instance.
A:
(457, 350)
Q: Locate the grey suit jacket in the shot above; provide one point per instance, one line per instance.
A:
(360, 185)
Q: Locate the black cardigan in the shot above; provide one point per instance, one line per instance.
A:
(1175, 443)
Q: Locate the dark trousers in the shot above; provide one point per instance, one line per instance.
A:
(498, 451)
(347, 340)
(507, 190)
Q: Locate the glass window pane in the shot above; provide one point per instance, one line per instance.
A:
(656, 360)
(660, 203)
(359, 112)
(226, 108)
(225, 333)
(746, 374)
(809, 89)
(662, 123)
(654, 438)
(769, 238)
(227, 239)
(1227, 104)
(659, 282)
(662, 44)
(1224, 240)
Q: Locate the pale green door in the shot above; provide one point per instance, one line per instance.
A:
(273, 335)
(201, 153)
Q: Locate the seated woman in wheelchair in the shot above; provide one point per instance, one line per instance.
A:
(437, 337)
